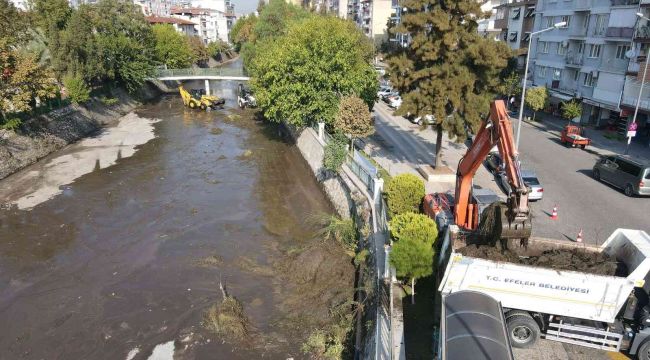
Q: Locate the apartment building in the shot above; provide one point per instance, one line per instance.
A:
(212, 25)
(487, 27)
(588, 58)
(634, 75)
(372, 17)
(183, 26)
(515, 19)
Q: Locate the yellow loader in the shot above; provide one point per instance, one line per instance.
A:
(196, 98)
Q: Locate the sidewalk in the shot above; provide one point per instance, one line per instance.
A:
(599, 143)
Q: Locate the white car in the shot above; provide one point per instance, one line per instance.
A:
(384, 91)
(395, 102)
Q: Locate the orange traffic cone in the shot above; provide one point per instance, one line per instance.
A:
(554, 213)
(579, 238)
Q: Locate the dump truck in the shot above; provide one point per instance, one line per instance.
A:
(599, 311)
(572, 136)
(197, 98)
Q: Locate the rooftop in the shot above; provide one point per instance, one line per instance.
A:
(168, 20)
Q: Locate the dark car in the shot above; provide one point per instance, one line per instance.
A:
(625, 173)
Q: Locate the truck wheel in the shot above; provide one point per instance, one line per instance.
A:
(203, 107)
(522, 329)
(192, 105)
(643, 353)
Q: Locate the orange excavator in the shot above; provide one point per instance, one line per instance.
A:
(515, 217)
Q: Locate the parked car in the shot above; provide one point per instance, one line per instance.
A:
(493, 162)
(395, 102)
(621, 171)
(419, 120)
(532, 182)
(384, 91)
(387, 97)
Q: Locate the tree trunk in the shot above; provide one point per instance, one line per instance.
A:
(439, 133)
(534, 114)
(413, 290)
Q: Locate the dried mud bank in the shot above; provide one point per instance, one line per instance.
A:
(45, 134)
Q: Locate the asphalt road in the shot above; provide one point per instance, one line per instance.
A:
(565, 173)
(582, 202)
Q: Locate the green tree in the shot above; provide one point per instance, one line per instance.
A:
(217, 48)
(76, 87)
(51, 16)
(22, 78)
(536, 99)
(571, 110)
(199, 50)
(404, 193)
(353, 118)
(417, 226)
(242, 31)
(107, 41)
(511, 85)
(275, 18)
(299, 78)
(412, 259)
(448, 69)
(172, 48)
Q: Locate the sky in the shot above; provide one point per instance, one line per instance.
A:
(245, 6)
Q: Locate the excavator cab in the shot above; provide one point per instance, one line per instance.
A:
(197, 98)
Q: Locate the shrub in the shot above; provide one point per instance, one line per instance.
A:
(109, 101)
(11, 124)
(404, 193)
(571, 110)
(78, 91)
(335, 152)
(415, 226)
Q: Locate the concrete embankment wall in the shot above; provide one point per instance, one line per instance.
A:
(339, 189)
(45, 134)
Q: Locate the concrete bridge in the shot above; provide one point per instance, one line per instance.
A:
(219, 73)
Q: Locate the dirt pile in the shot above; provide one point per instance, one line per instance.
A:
(558, 259)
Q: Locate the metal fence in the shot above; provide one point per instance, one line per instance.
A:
(219, 71)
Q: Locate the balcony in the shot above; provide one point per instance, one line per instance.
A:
(631, 92)
(624, 2)
(643, 33)
(582, 5)
(619, 32)
(573, 60)
(578, 32)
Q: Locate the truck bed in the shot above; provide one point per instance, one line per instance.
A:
(559, 292)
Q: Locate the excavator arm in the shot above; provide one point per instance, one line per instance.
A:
(496, 130)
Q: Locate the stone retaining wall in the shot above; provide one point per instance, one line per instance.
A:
(45, 134)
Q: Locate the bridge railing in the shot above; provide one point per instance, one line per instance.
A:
(163, 73)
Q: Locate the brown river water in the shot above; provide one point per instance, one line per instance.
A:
(115, 247)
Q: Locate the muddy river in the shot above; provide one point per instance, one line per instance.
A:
(115, 247)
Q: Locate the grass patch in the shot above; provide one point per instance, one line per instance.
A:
(228, 320)
(614, 136)
(210, 261)
(215, 131)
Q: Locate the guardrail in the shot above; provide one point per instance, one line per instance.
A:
(220, 71)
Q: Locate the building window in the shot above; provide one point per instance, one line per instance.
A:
(541, 71)
(515, 13)
(513, 36)
(549, 21)
(501, 14)
(567, 20)
(621, 50)
(561, 49)
(542, 46)
(557, 74)
(590, 80)
(594, 51)
(530, 12)
(601, 24)
(526, 37)
(576, 75)
(581, 47)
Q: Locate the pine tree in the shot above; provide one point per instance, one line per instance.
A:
(448, 69)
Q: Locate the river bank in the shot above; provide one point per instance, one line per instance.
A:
(48, 133)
